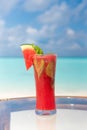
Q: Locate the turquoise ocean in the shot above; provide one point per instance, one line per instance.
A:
(70, 79)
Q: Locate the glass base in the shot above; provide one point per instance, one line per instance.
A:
(45, 112)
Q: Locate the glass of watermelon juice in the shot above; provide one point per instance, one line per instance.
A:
(44, 72)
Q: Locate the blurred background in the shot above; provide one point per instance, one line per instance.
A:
(57, 26)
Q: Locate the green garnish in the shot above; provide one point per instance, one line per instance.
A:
(37, 49)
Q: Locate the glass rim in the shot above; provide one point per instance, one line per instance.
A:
(49, 54)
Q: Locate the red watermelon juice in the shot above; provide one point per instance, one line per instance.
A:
(44, 71)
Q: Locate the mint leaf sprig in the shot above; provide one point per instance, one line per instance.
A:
(37, 49)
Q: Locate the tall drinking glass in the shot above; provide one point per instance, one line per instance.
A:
(44, 72)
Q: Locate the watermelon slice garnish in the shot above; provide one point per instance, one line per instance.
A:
(29, 50)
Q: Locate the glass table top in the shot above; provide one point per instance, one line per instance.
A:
(19, 114)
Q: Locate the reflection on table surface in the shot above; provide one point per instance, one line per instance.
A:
(19, 114)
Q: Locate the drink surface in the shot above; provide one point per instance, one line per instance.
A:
(44, 70)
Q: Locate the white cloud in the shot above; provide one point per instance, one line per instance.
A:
(2, 23)
(74, 46)
(6, 6)
(70, 32)
(36, 5)
(32, 34)
(55, 15)
(2, 26)
(31, 30)
(28, 5)
(47, 31)
(80, 7)
(79, 14)
(44, 32)
(11, 38)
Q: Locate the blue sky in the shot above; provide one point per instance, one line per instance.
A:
(58, 26)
